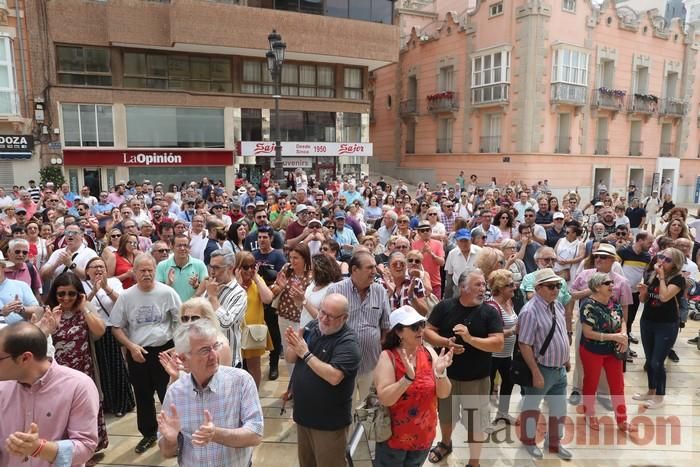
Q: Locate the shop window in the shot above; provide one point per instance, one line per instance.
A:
(84, 66)
(297, 79)
(8, 89)
(353, 83)
(87, 125)
(174, 127)
(352, 127)
(177, 72)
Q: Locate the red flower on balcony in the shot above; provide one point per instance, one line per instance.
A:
(440, 95)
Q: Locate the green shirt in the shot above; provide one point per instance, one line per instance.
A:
(528, 285)
(181, 284)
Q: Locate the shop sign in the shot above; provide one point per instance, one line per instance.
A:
(16, 143)
(147, 157)
(295, 163)
(297, 148)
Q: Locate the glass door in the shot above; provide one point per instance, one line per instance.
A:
(92, 178)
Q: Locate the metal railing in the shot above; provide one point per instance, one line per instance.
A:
(490, 94)
(447, 102)
(490, 144)
(607, 100)
(601, 146)
(667, 149)
(636, 148)
(565, 93)
(644, 105)
(673, 107)
(444, 145)
(563, 145)
(408, 107)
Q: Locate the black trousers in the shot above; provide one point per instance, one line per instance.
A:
(147, 378)
(632, 311)
(273, 327)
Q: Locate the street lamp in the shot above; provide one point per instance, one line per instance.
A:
(275, 59)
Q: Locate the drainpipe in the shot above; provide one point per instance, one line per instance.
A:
(25, 93)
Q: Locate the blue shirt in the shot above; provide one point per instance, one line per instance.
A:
(11, 288)
(346, 237)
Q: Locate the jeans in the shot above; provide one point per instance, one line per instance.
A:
(554, 391)
(632, 312)
(502, 365)
(387, 457)
(657, 340)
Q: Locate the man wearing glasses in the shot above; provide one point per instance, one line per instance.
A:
(143, 319)
(74, 256)
(17, 302)
(103, 209)
(545, 257)
(541, 314)
(433, 255)
(160, 251)
(22, 269)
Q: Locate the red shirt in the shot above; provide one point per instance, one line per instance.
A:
(429, 263)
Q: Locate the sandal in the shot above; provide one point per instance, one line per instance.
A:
(593, 423)
(439, 452)
(627, 428)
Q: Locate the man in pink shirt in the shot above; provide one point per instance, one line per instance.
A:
(433, 255)
(49, 411)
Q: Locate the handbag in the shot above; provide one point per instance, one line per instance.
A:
(377, 414)
(253, 336)
(520, 373)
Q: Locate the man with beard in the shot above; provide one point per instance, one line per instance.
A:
(216, 238)
(251, 241)
(473, 330)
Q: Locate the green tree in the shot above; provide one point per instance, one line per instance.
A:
(52, 173)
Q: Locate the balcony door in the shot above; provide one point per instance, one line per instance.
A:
(607, 74)
(563, 143)
(671, 90)
(601, 142)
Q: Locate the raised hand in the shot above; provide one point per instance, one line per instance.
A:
(409, 363)
(171, 364)
(444, 360)
(169, 425)
(212, 287)
(206, 431)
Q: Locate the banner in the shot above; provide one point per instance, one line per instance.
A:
(147, 157)
(297, 148)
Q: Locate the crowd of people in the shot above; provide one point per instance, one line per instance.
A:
(424, 299)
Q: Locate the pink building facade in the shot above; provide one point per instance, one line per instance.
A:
(533, 90)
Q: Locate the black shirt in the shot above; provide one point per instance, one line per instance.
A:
(553, 236)
(318, 404)
(251, 241)
(659, 312)
(635, 215)
(481, 320)
(269, 264)
(543, 217)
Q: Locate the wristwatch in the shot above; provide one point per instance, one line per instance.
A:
(72, 266)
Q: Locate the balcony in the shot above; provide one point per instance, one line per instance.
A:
(563, 145)
(672, 107)
(608, 99)
(441, 102)
(408, 107)
(635, 148)
(645, 104)
(490, 144)
(571, 94)
(602, 146)
(667, 149)
(444, 145)
(491, 94)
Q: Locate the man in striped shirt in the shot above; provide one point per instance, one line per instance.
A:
(368, 313)
(548, 370)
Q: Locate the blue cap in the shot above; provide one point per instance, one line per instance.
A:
(463, 234)
(340, 215)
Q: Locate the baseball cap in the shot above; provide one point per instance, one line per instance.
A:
(20, 210)
(314, 221)
(340, 214)
(300, 208)
(463, 234)
(405, 316)
(599, 204)
(558, 215)
(542, 276)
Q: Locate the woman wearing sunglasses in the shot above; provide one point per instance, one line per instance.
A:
(79, 323)
(603, 333)
(111, 244)
(409, 378)
(122, 262)
(660, 320)
(102, 292)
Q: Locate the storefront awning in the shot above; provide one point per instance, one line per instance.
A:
(9, 156)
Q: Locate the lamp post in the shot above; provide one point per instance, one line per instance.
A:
(275, 59)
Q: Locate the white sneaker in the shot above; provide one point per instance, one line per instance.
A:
(642, 396)
(654, 404)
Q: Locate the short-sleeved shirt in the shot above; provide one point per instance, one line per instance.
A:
(492, 234)
(181, 284)
(534, 323)
(456, 263)
(543, 217)
(79, 257)
(429, 263)
(318, 404)
(663, 312)
(635, 216)
(528, 286)
(633, 264)
(481, 320)
(606, 319)
(622, 292)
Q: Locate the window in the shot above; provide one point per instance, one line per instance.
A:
(570, 66)
(297, 79)
(8, 89)
(446, 80)
(490, 77)
(87, 125)
(641, 80)
(352, 127)
(297, 125)
(84, 66)
(568, 5)
(444, 142)
(177, 72)
(174, 127)
(251, 125)
(496, 9)
(353, 83)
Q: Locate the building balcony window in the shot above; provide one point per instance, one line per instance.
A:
(444, 145)
(408, 107)
(490, 94)
(642, 103)
(601, 146)
(490, 144)
(445, 101)
(563, 145)
(636, 148)
(410, 146)
(672, 107)
(609, 99)
(667, 149)
(565, 93)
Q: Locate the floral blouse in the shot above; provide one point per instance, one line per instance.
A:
(606, 319)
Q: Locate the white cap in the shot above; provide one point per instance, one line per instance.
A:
(405, 316)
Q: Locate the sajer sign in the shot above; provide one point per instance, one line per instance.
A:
(147, 157)
(298, 148)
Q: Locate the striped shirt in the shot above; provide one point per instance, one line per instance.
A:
(232, 400)
(534, 323)
(509, 320)
(233, 302)
(368, 318)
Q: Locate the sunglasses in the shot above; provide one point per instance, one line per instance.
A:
(187, 319)
(608, 283)
(163, 250)
(71, 294)
(548, 260)
(553, 286)
(601, 257)
(413, 261)
(415, 327)
(665, 259)
(71, 233)
(21, 252)
(398, 264)
(247, 267)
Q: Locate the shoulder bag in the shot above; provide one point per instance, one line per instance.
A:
(253, 336)
(519, 371)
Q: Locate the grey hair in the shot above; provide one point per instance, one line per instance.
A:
(229, 257)
(17, 241)
(597, 280)
(469, 272)
(541, 251)
(200, 328)
(392, 214)
(140, 258)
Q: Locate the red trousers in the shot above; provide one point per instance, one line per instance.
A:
(593, 364)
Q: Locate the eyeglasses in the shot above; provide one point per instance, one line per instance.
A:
(529, 215)
(69, 293)
(96, 266)
(547, 260)
(204, 351)
(187, 319)
(665, 259)
(21, 252)
(163, 250)
(71, 233)
(324, 314)
(398, 264)
(413, 261)
(553, 286)
(608, 283)
(247, 267)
